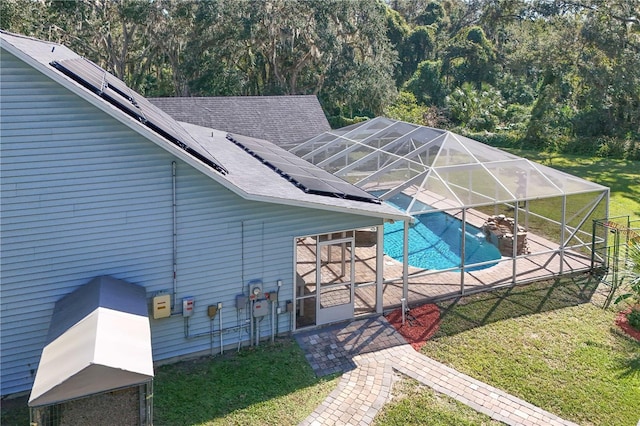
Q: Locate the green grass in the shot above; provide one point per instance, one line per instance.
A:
(268, 385)
(415, 404)
(621, 176)
(542, 343)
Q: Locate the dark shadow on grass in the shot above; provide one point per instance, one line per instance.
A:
(14, 411)
(629, 367)
(195, 392)
(468, 312)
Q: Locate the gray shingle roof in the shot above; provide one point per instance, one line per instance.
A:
(283, 120)
(257, 181)
(247, 177)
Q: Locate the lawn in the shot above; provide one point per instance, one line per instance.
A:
(272, 384)
(545, 343)
(416, 404)
(621, 176)
(267, 385)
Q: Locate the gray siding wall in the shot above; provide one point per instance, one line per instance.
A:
(83, 195)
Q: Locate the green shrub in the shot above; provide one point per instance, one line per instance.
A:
(611, 147)
(634, 318)
(501, 139)
(338, 121)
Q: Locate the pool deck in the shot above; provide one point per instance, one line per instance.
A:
(543, 261)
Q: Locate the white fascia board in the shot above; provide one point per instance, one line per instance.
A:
(339, 209)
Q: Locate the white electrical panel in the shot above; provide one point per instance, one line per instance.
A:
(187, 306)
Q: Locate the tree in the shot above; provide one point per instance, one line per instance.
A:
(476, 109)
(427, 84)
(470, 58)
(337, 50)
(407, 108)
(419, 45)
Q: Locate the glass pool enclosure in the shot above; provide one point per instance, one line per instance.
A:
(515, 213)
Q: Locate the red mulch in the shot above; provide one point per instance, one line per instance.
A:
(623, 323)
(421, 323)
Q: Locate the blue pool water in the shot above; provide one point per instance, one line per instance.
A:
(434, 241)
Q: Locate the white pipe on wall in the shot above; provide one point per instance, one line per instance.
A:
(220, 319)
(175, 235)
(273, 322)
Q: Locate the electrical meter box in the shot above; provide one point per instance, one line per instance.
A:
(255, 290)
(161, 306)
(260, 308)
(187, 306)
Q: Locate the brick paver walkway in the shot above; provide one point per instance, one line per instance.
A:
(369, 350)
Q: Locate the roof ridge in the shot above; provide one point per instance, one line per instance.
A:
(26, 37)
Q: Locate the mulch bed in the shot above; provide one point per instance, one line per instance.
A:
(421, 323)
(623, 323)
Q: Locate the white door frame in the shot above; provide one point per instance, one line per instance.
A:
(342, 311)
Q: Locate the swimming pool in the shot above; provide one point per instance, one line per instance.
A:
(434, 240)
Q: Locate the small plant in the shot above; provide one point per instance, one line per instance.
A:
(633, 295)
(634, 318)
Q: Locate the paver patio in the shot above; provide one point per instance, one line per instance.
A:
(368, 351)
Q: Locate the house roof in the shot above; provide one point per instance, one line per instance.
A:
(283, 120)
(99, 340)
(257, 181)
(252, 181)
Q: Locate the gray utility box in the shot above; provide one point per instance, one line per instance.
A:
(260, 308)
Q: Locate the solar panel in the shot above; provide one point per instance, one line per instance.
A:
(118, 94)
(299, 172)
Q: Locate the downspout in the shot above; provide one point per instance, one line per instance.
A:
(175, 235)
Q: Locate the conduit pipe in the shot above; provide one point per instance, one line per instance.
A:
(258, 322)
(273, 322)
(220, 319)
(175, 235)
(251, 330)
(227, 330)
(211, 334)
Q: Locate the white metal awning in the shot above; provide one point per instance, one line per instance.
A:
(99, 340)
